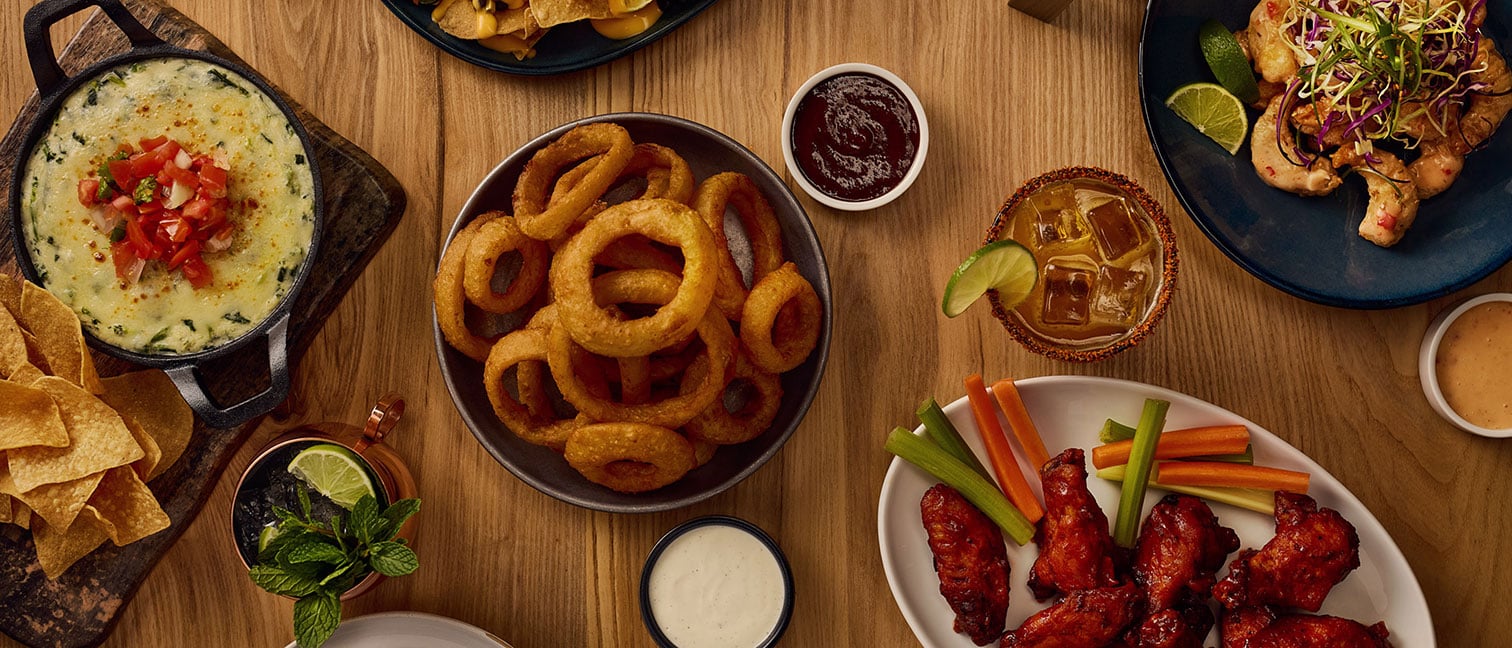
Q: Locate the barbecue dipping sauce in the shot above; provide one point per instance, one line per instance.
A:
(716, 586)
(1474, 365)
(855, 136)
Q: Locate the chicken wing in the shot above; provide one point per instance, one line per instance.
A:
(971, 560)
(1308, 631)
(1076, 550)
(1180, 550)
(1312, 551)
(1241, 625)
(1084, 619)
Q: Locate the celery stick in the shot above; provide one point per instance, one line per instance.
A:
(944, 434)
(982, 493)
(1247, 457)
(1141, 459)
(1252, 499)
(1114, 431)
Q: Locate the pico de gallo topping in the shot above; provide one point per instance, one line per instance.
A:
(160, 202)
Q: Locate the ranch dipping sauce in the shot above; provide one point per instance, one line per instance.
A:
(1474, 365)
(717, 586)
(211, 111)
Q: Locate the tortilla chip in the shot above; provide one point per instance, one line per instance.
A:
(26, 374)
(10, 293)
(555, 12)
(57, 551)
(125, 508)
(5, 508)
(34, 351)
(517, 22)
(59, 504)
(12, 344)
(151, 453)
(150, 399)
(98, 440)
(89, 378)
(20, 514)
(29, 417)
(59, 337)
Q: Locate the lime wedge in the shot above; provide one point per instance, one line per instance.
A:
(333, 471)
(266, 536)
(1226, 59)
(1004, 266)
(1215, 112)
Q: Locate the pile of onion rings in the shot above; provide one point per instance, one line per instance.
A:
(611, 316)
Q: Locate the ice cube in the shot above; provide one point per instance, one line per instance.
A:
(1115, 230)
(1068, 292)
(1119, 295)
(1052, 227)
(1054, 198)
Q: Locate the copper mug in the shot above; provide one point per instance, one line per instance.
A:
(393, 475)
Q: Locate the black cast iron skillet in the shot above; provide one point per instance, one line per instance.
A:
(53, 87)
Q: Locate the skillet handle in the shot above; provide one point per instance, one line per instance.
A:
(187, 379)
(39, 50)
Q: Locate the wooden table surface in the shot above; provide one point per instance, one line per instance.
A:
(1007, 98)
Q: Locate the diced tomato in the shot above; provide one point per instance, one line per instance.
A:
(190, 249)
(139, 240)
(201, 161)
(196, 271)
(197, 209)
(124, 255)
(120, 171)
(124, 204)
(217, 215)
(150, 207)
(213, 181)
(175, 174)
(178, 229)
(89, 188)
(153, 142)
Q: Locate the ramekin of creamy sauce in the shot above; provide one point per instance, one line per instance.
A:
(1465, 365)
(716, 581)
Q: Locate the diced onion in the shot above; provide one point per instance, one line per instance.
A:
(135, 271)
(182, 160)
(104, 218)
(180, 194)
(219, 242)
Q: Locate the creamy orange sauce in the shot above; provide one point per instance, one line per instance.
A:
(1474, 365)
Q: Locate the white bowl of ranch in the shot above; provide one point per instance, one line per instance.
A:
(1465, 365)
(716, 581)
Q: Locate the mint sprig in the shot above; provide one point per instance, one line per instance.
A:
(317, 562)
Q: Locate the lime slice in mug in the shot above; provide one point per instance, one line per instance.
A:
(1004, 266)
(333, 471)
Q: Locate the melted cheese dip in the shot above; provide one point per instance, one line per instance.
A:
(210, 111)
(717, 586)
(1474, 365)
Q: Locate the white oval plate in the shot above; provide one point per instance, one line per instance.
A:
(1069, 411)
(409, 630)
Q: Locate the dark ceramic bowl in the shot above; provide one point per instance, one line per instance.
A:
(566, 48)
(649, 618)
(708, 152)
(1309, 247)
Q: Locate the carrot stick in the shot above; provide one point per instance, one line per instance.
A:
(1177, 444)
(1004, 465)
(1212, 473)
(1008, 398)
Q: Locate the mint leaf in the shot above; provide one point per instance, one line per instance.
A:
(360, 522)
(394, 516)
(392, 559)
(316, 618)
(285, 582)
(317, 551)
(345, 570)
(304, 502)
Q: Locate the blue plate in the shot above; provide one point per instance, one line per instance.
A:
(566, 48)
(1309, 246)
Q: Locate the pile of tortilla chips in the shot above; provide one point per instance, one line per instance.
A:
(512, 26)
(75, 449)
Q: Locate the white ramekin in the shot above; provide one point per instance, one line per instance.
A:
(787, 138)
(1428, 371)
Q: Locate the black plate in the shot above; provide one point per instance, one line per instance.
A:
(708, 152)
(1309, 247)
(566, 48)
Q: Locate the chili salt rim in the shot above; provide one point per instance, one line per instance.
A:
(1168, 273)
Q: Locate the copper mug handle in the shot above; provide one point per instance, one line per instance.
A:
(381, 421)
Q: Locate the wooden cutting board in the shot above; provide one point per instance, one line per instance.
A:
(363, 204)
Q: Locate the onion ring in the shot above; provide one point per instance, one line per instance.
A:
(629, 457)
(644, 286)
(513, 350)
(703, 451)
(719, 425)
(597, 329)
(450, 297)
(496, 237)
(667, 173)
(780, 353)
(634, 380)
(714, 195)
(542, 219)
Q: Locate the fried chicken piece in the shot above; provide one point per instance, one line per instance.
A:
(1309, 631)
(1174, 628)
(1180, 550)
(1084, 619)
(971, 560)
(1312, 551)
(1076, 550)
(1241, 625)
